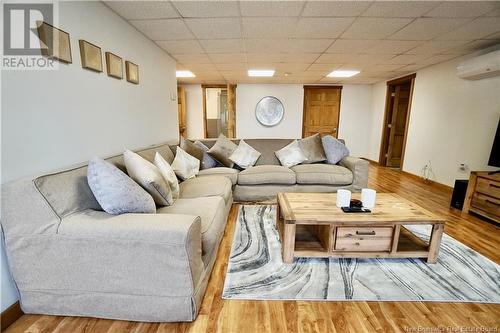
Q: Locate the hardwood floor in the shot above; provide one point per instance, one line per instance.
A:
(217, 315)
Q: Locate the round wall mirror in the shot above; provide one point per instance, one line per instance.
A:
(269, 111)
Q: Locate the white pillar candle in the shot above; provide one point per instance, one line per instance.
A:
(343, 198)
(368, 197)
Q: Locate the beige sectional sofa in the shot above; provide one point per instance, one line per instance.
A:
(68, 257)
(269, 177)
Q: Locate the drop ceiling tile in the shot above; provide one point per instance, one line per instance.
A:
(374, 28)
(196, 67)
(207, 8)
(215, 28)
(180, 46)
(399, 8)
(434, 46)
(381, 68)
(142, 10)
(192, 58)
(226, 58)
(271, 8)
(428, 28)
(322, 27)
(333, 58)
(292, 67)
(223, 45)
(281, 57)
(335, 8)
(495, 36)
(323, 67)
(267, 27)
(287, 45)
(477, 29)
(351, 45)
(471, 47)
(353, 59)
(170, 29)
(405, 59)
(495, 12)
(462, 8)
(392, 46)
(437, 59)
(300, 57)
(232, 66)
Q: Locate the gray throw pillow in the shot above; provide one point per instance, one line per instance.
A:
(222, 150)
(335, 150)
(245, 156)
(192, 149)
(313, 149)
(116, 192)
(208, 161)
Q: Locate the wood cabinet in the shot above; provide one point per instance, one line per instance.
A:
(483, 195)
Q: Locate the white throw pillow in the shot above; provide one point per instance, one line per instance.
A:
(168, 174)
(245, 155)
(291, 154)
(184, 165)
(149, 177)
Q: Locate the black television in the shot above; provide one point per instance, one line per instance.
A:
(495, 150)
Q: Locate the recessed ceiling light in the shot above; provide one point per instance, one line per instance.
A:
(343, 73)
(261, 72)
(184, 74)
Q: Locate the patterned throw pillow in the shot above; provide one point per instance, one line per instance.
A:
(222, 150)
(184, 165)
(168, 174)
(116, 192)
(245, 155)
(313, 149)
(291, 154)
(208, 161)
(149, 177)
(334, 149)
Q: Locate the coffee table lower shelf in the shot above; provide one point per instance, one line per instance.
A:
(321, 241)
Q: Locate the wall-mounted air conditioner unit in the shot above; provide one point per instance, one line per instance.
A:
(480, 67)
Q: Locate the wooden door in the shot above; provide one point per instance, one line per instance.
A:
(181, 108)
(397, 114)
(231, 109)
(321, 110)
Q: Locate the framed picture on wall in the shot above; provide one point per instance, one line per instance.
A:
(132, 71)
(91, 56)
(54, 43)
(114, 65)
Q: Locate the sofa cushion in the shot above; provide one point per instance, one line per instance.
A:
(116, 192)
(149, 177)
(245, 155)
(208, 161)
(324, 174)
(184, 165)
(208, 186)
(230, 173)
(291, 154)
(313, 149)
(266, 174)
(222, 149)
(335, 150)
(210, 210)
(168, 174)
(192, 149)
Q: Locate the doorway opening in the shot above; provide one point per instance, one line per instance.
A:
(218, 110)
(396, 120)
(321, 110)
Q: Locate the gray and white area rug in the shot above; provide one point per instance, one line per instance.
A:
(256, 270)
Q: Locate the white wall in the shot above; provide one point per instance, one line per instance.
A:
(52, 119)
(452, 121)
(247, 97)
(194, 111)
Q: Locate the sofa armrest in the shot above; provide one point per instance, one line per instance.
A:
(131, 254)
(359, 169)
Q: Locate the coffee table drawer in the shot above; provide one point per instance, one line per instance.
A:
(363, 239)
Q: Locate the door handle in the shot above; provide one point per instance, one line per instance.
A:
(335, 129)
(365, 233)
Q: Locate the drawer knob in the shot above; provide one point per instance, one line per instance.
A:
(365, 233)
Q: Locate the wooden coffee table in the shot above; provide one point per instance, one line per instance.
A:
(310, 225)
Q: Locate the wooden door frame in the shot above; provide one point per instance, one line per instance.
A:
(384, 142)
(305, 103)
(204, 103)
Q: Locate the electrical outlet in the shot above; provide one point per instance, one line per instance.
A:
(463, 168)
